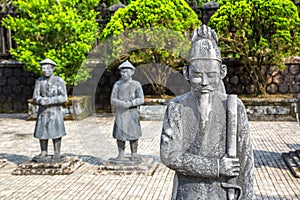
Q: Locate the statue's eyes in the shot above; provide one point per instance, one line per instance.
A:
(212, 74)
(197, 74)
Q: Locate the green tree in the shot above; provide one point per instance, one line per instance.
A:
(62, 30)
(151, 32)
(261, 32)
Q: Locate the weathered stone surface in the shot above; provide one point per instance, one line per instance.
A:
(152, 112)
(12, 76)
(146, 166)
(283, 88)
(294, 88)
(205, 137)
(126, 96)
(234, 80)
(264, 109)
(293, 69)
(272, 88)
(62, 167)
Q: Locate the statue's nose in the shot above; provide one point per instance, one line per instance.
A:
(204, 79)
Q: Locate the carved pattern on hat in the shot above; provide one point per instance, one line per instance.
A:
(204, 44)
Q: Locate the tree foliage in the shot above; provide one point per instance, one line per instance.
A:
(62, 30)
(161, 23)
(261, 32)
(149, 31)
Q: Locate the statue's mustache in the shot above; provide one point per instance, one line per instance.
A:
(201, 87)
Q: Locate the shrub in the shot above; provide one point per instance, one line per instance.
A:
(261, 32)
(151, 32)
(157, 23)
(63, 31)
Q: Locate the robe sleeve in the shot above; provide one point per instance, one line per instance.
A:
(37, 92)
(139, 95)
(245, 154)
(61, 96)
(172, 152)
(114, 98)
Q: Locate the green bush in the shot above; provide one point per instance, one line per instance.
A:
(261, 32)
(63, 31)
(148, 32)
(163, 25)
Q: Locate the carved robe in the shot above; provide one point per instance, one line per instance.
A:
(127, 123)
(193, 148)
(50, 120)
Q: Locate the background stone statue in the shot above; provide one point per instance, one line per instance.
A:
(126, 95)
(205, 136)
(49, 93)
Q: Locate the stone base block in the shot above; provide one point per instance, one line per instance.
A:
(292, 159)
(152, 112)
(145, 166)
(3, 162)
(66, 165)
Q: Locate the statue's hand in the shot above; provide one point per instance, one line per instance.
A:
(126, 104)
(229, 167)
(45, 101)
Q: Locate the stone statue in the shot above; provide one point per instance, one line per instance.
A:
(126, 95)
(205, 137)
(49, 93)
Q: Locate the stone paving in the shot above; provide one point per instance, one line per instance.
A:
(90, 139)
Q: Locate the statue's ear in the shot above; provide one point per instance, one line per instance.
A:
(223, 71)
(185, 72)
(132, 72)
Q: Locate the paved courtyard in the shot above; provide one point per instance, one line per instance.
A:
(90, 139)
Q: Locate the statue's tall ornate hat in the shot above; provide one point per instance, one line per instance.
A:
(204, 45)
(48, 61)
(125, 65)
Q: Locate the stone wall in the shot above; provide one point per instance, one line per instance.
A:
(16, 86)
(285, 81)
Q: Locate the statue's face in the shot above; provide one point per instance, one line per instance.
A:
(47, 70)
(204, 75)
(126, 74)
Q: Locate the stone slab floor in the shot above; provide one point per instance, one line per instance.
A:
(90, 139)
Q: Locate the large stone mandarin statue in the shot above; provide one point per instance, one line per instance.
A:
(126, 95)
(49, 93)
(205, 137)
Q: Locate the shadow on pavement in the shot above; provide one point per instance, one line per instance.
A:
(88, 159)
(19, 159)
(15, 158)
(269, 159)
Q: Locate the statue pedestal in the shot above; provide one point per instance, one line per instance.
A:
(143, 166)
(292, 159)
(48, 166)
(3, 162)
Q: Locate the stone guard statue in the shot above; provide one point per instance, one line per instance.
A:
(126, 95)
(205, 136)
(49, 93)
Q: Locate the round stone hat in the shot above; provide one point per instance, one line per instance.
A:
(48, 61)
(126, 65)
